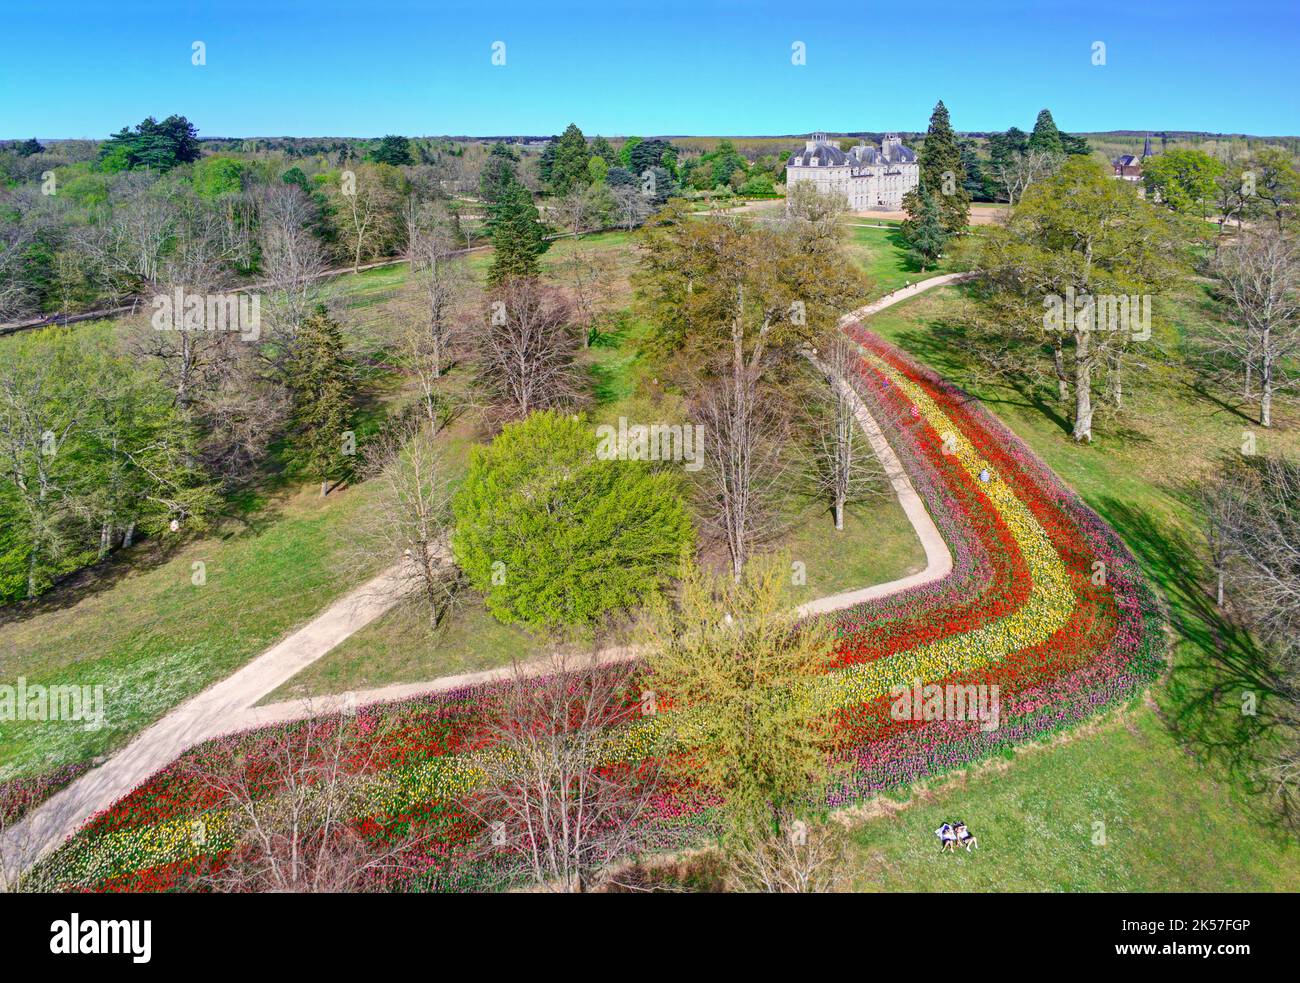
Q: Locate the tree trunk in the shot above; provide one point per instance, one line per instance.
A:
(839, 516)
(1062, 381)
(1082, 388)
(128, 535)
(1266, 376)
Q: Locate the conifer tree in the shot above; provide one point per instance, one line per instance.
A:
(321, 382)
(518, 236)
(925, 232)
(570, 164)
(942, 175)
(1046, 137)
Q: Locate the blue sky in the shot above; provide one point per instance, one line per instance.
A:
(75, 68)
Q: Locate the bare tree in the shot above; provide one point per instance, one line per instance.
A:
(556, 810)
(367, 208)
(411, 518)
(16, 297)
(302, 835)
(129, 247)
(631, 206)
(813, 216)
(586, 275)
(433, 249)
(746, 435)
(1259, 275)
(1018, 171)
(1256, 519)
(191, 355)
(293, 260)
(845, 467)
(526, 351)
(804, 859)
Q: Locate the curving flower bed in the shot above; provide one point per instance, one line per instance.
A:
(1043, 602)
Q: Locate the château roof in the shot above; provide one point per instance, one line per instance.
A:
(822, 155)
(820, 152)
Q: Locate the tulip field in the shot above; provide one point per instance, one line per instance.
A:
(1043, 601)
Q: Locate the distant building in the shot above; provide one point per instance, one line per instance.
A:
(868, 177)
(1128, 167)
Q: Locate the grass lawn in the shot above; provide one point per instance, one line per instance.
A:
(885, 259)
(401, 647)
(876, 545)
(1167, 825)
(152, 637)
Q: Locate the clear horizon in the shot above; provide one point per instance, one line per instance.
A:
(294, 69)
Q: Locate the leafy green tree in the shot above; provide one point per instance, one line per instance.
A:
(597, 169)
(159, 146)
(29, 147)
(95, 450)
(620, 177)
(556, 537)
(295, 175)
(518, 236)
(320, 380)
(1046, 137)
(571, 156)
(625, 151)
(1276, 182)
(395, 150)
(976, 183)
(1077, 246)
(216, 176)
(1182, 179)
(942, 174)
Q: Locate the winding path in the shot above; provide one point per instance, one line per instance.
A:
(229, 706)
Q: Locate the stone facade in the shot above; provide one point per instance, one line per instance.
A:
(869, 178)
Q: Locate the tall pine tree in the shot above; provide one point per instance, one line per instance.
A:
(518, 237)
(321, 383)
(1046, 137)
(942, 175)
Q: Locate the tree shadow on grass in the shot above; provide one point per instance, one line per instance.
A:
(1216, 663)
(945, 345)
(246, 513)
